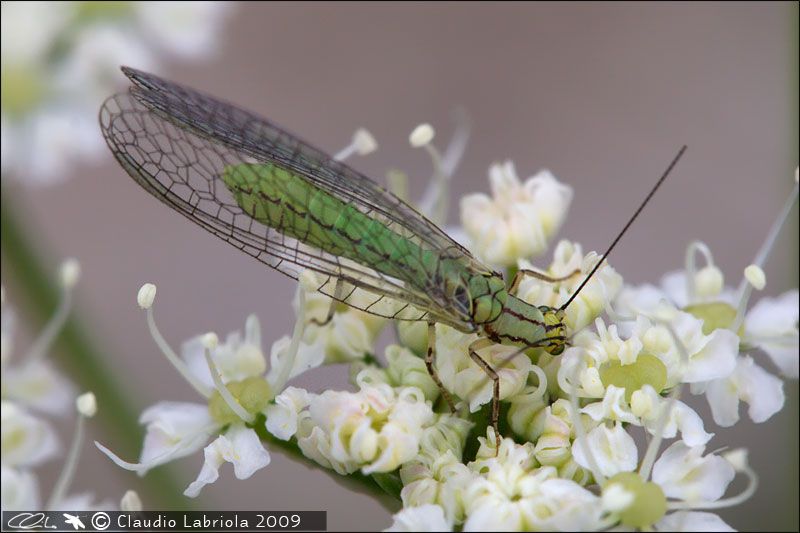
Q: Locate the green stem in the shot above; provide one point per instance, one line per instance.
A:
(77, 352)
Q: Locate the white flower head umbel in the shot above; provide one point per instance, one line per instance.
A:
(418, 423)
(770, 326)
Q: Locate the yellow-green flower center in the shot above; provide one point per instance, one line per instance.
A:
(649, 504)
(21, 89)
(253, 394)
(646, 370)
(91, 11)
(715, 315)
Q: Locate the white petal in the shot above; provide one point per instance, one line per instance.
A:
(38, 384)
(308, 356)
(690, 425)
(716, 359)
(674, 285)
(240, 446)
(614, 450)
(236, 359)
(283, 415)
(613, 407)
(423, 518)
(772, 326)
(692, 521)
(683, 473)
(188, 30)
(174, 430)
(760, 389)
(494, 516)
(749, 383)
(26, 439)
(20, 490)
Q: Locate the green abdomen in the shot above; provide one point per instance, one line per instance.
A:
(282, 200)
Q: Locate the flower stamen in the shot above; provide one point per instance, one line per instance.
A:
(210, 342)
(69, 273)
(763, 253)
(363, 143)
(145, 298)
(291, 356)
(755, 279)
(86, 405)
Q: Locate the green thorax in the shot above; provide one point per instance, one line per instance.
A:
(523, 324)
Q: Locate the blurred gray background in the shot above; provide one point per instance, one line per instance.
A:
(601, 94)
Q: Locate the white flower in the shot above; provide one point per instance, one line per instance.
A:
(59, 60)
(710, 356)
(240, 446)
(512, 494)
(26, 439)
(772, 325)
(283, 417)
(441, 481)
(519, 219)
(350, 334)
(683, 473)
(187, 30)
(403, 369)
(20, 490)
(632, 374)
(376, 429)
(236, 359)
(19, 43)
(648, 405)
(613, 448)
(422, 518)
(462, 376)
(37, 384)
(568, 258)
(92, 67)
(749, 383)
(176, 430)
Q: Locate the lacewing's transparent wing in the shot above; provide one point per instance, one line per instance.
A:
(177, 143)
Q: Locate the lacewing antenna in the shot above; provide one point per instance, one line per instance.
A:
(628, 225)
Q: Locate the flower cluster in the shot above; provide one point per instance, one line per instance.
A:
(570, 456)
(60, 59)
(33, 392)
